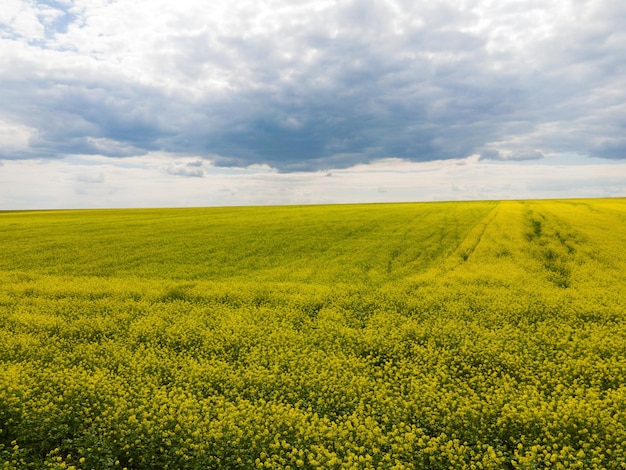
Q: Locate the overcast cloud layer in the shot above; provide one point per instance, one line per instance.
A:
(304, 85)
(156, 181)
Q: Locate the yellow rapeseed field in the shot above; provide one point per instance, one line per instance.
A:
(465, 335)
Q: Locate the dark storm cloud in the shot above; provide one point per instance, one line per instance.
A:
(310, 87)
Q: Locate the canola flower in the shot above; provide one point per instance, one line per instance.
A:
(403, 336)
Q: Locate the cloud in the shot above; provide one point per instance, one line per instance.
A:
(190, 169)
(14, 138)
(90, 178)
(142, 182)
(508, 155)
(614, 148)
(313, 85)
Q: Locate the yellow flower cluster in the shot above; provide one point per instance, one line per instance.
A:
(478, 335)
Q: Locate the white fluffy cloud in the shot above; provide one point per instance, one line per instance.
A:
(14, 138)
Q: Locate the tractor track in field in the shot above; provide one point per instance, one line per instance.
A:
(465, 254)
(464, 250)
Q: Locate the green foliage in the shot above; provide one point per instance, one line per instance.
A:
(406, 336)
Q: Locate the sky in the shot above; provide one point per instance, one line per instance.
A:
(160, 103)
